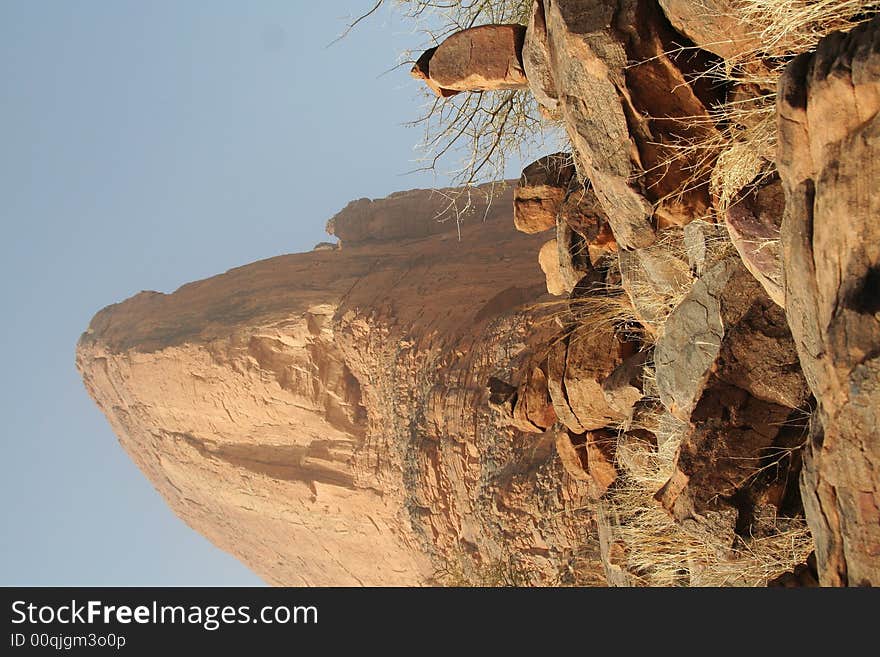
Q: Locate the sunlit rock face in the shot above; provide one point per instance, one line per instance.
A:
(324, 416)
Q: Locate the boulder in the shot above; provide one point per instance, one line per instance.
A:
(828, 158)
(583, 213)
(600, 447)
(589, 457)
(539, 194)
(533, 409)
(726, 367)
(753, 223)
(624, 387)
(482, 58)
(548, 259)
(576, 368)
(573, 256)
(420, 71)
(714, 25)
(727, 328)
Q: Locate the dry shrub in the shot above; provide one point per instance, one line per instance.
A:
(785, 28)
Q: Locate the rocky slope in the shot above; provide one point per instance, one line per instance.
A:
(682, 390)
(739, 374)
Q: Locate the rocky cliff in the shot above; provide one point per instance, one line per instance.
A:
(324, 416)
(668, 376)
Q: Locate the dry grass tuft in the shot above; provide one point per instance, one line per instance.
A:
(660, 552)
(785, 28)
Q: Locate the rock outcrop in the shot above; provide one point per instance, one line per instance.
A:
(483, 58)
(410, 407)
(540, 192)
(727, 366)
(418, 213)
(325, 416)
(619, 120)
(829, 162)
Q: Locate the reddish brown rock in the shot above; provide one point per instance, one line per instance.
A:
(548, 260)
(737, 449)
(753, 223)
(573, 254)
(589, 457)
(540, 192)
(625, 120)
(576, 368)
(421, 71)
(483, 58)
(582, 212)
(829, 162)
(714, 25)
(527, 408)
(601, 446)
(418, 213)
(624, 387)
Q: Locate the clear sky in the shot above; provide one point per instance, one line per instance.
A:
(144, 145)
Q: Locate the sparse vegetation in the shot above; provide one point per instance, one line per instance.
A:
(734, 153)
(745, 141)
(471, 138)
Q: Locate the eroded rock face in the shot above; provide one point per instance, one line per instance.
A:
(829, 162)
(619, 116)
(325, 416)
(482, 58)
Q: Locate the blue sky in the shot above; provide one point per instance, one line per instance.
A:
(145, 145)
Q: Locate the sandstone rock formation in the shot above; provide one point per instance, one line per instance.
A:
(616, 117)
(324, 416)
(540, 192)
(483, 58)
(418, 213)
(829, 162)
(411, 408)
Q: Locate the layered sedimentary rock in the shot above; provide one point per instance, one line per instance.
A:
(325, 416)
(829, 162)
